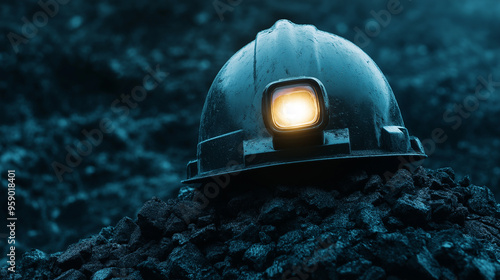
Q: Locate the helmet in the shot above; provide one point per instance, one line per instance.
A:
(297, 95)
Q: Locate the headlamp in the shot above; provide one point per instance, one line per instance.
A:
(294, 106)
(295, 109)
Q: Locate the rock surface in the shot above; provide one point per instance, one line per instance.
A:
(420, 225)
(65, 79)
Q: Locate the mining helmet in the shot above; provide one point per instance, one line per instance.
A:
(297, 95)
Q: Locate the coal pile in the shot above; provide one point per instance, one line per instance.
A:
(420, 225)
(435, 55)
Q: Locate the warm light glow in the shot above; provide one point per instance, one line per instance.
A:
(294, 107)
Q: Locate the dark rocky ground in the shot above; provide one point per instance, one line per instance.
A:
(425, 225)
(67, 76)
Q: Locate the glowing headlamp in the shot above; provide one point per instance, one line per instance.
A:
(295, 108)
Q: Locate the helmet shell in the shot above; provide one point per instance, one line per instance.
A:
(362, 109)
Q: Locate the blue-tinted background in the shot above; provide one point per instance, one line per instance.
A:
(67, 75)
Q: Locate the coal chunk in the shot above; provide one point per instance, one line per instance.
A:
(318, 199)
(236, 248)
(288, 240)
(34, 258)
(151, 218)
(444, 178)
(215, 252)
(71, 274)
(425, 265)
(480, 268)
(374, 273)
(152, 269)
(110, 273)
(78, 253)
(412, 209)
(123, 230)
(185, 262)
(374, 183)
(392, 250)
(354, 269)
(204, 235)
(276, 210)
(402, 181)
(369, 218)
(481, 201)
(173, 224)
(259, 254)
